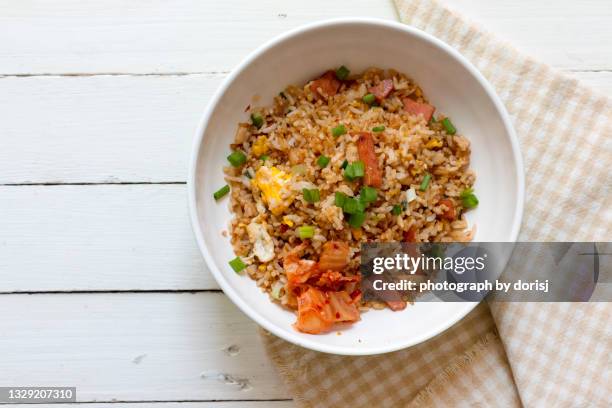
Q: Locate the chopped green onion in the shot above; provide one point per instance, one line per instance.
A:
(369, 99)
(237, 158)
(468, 198)
(338, 130)
(470, 201)
(349, 172)
(221, 192)
(356, 220)
(353, 206)
(436, 251)
(237, 264)
(425, 182)
(339, 199)
(306, 231)
(448, 126)
(323, 161)
(248, 173)
(397, 209)
(368, 194)
(264, 157)
(378, 129)
(344, 164)
(433, 120)
(298, 169)
(311, 195)
(257, 120)
(466, 192)
(354, 170)
(359, 167)
(342, 73)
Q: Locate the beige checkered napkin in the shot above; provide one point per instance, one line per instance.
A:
(478, 377)
(395, 379)
(559, 354)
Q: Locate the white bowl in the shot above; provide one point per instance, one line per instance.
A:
(450, 82)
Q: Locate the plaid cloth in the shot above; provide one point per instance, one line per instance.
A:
(469, 352)
(502, 354)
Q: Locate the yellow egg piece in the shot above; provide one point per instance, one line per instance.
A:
(434, 143)
(275, 188)
(260, 146)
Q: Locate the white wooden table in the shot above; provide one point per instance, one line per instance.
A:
(102, 285)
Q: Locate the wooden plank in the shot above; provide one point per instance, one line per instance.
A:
(98, 237)
(112, 128)
(100, 128)
(72, 36)
(135, 347)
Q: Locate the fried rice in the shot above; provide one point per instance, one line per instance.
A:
(370, 139)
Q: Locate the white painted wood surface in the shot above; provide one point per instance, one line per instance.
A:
(98, 237)
(73, 36)
(136, 347)
(110, 92)
(102, 129)
(113, 128)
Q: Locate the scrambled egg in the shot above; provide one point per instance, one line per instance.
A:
(275, 188)
(263, 246)
(418, 168)
(434, 143)
(260, 146)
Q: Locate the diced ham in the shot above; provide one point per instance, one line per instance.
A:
(418, 108)
(382, 89)
(365, 148)
(396, 305)
(325, 86)
(449, 214)
(410, 235)
(335, 256)
(392, 298)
